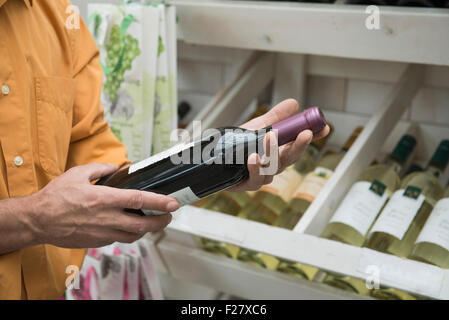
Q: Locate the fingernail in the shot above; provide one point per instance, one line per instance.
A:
(172, 206)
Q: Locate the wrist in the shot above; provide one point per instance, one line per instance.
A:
(30, 212)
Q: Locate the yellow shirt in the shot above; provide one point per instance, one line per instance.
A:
(51, 119)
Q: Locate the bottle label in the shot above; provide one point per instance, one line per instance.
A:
(361, 205)
(183, 196)
(436, 229)
(313, 183)
(284, 184)
(399, 213)
(159, 156)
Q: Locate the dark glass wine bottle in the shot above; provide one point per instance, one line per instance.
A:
(215, 162)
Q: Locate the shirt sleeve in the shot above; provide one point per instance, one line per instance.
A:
(91, 138)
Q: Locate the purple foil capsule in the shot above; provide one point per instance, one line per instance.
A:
(311, 119)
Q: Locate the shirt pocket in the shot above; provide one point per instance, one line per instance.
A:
(54, 106)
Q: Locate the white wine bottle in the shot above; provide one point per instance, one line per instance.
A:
(398, 226)
(361, 205)
(432, 245)
(367, 196)
(400, 223)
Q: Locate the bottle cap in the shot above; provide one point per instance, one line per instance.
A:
(288, 129)
(404, 148)
(441, 157)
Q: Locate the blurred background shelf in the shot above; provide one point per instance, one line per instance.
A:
(406, 34)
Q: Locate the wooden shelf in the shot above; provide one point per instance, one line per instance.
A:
(413, 35)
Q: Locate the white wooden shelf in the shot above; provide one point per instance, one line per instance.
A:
(241, 279)
(414, 35)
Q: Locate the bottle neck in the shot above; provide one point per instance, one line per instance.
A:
(394, 164)
(434, 170)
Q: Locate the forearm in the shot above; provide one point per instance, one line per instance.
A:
(16, 227)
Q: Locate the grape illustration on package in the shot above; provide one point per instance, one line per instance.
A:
(138, 72)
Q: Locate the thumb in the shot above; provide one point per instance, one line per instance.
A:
(96, 170)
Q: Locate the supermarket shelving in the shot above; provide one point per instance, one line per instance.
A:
(288, 39)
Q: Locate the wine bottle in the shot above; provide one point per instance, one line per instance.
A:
(367, 196)
(215, 162)
(432, 245)
(315, 180)
(228, 203)
(233, 203)
(360, 207)
(399, 224)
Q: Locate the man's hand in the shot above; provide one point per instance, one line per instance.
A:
(288, 153)
(71, 212)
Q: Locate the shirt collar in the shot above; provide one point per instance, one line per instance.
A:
(29, 3)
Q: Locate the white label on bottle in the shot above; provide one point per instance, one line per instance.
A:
(398, 214)
(183, 196)
(360, 207)
(436, 229)
(284, 184)
(313, 183)
(158, 157)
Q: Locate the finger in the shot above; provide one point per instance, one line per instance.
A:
(279, 112)
(93, 170)
(256, 180)
(291, 152)
(139, 225)
(323, 133)
(134, 199)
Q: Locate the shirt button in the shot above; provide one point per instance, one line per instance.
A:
(18, 161)
(5, 89)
